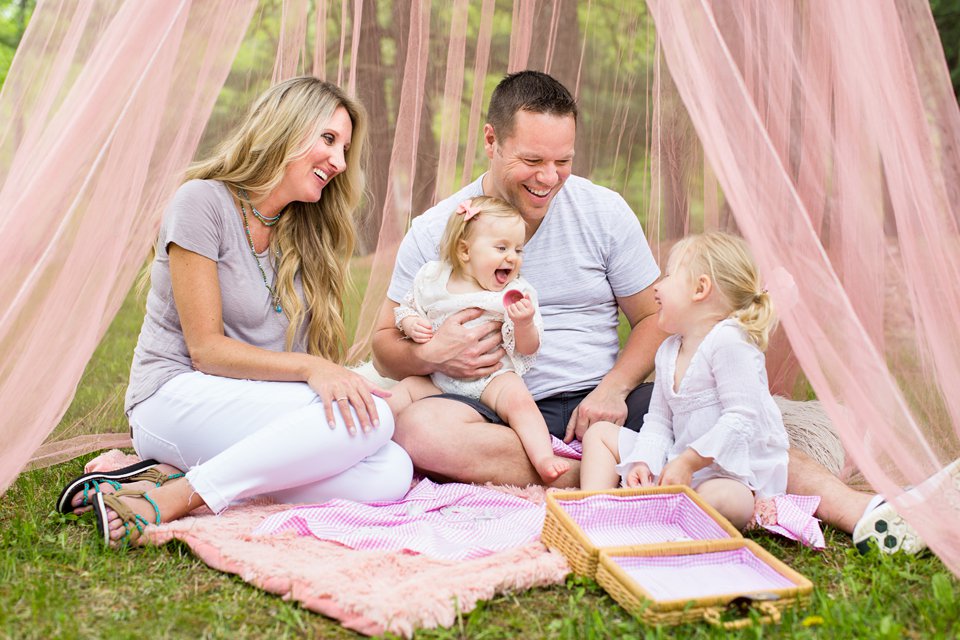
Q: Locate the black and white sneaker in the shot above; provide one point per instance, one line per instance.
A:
(887, 528)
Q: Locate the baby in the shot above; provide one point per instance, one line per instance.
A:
(481, 253)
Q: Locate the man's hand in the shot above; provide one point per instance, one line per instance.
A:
(603, 404)
(466, 353)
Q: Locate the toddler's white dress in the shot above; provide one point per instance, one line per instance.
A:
(722, 409)
(430, 299)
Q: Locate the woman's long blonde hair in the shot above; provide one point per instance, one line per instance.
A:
(314, 239)
(727, 260)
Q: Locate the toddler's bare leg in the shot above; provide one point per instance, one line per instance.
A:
(408, 391)
(508, 396)
(733, 499)
(601, 453)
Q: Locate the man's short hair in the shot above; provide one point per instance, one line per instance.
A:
(531, 91)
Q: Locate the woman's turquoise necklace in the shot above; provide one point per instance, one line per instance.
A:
(267, 221)
(274, 294)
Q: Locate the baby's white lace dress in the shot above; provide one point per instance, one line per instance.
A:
(430, 299)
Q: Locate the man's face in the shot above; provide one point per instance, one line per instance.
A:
(528, 168)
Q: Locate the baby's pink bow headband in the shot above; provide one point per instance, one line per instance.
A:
(467, 210)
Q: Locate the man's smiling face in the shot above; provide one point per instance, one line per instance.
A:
(528, 168)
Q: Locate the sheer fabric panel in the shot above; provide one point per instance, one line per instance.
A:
(843, 181)
(825, 133)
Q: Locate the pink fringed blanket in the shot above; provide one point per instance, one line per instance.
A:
(483, 541)
(371, 592)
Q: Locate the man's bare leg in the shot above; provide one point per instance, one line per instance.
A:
(840, 506)
(450, 440)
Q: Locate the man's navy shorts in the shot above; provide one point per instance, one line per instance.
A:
(557, 409)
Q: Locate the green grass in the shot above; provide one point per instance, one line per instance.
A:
(56, 582)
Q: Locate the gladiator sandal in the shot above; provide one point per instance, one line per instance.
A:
(89, 483)
(130, 519)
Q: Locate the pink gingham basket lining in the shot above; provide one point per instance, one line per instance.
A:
(699, 575)
(609, 520)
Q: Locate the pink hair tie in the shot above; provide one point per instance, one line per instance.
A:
(467, 210)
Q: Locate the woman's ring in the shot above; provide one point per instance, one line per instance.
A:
(340, 399)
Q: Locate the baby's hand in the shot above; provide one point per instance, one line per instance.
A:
(677, 471)
(640, 476)
(521, 311)
(417, 329)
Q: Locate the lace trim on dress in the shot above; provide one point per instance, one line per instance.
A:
(694, 401)
(522, 363)
(405, 310)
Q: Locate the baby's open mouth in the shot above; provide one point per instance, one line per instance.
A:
(502, 275)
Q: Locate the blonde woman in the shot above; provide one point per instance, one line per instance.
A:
(237, 377)
(712, 423)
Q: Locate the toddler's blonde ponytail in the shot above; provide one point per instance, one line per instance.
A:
(727, 260)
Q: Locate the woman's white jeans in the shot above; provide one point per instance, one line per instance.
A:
(240, 438)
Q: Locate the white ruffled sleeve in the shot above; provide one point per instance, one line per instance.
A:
(738, 369)
(521, 363)
(410, 306)
(653, 441)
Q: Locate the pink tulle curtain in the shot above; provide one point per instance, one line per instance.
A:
(116, 94)
(825, 133)
(833, 132)
(100, 113)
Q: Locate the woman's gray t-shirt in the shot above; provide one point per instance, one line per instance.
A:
(203, 218)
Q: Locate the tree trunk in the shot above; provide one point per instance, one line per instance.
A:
(371, 90)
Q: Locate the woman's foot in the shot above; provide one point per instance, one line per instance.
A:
(77, 496)
(123, 516)
(551, 467)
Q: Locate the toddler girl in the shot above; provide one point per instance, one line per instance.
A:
(481, 253)
(711, 419)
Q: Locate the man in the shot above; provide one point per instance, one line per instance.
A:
(587, 257)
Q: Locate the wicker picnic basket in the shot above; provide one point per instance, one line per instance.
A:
(659, 515)
(684, 571)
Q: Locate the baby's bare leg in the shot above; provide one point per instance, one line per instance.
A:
(508, 396)
(733, 499)
(408, 391)
(601, 453)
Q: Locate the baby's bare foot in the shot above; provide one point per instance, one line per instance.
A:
(551, 468)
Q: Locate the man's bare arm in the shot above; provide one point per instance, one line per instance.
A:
(608, 401)
(636, 360)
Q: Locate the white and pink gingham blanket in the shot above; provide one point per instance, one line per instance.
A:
(459, 521)
(449, 522)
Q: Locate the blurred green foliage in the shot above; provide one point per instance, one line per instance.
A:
(946, 13)
(14, 16)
